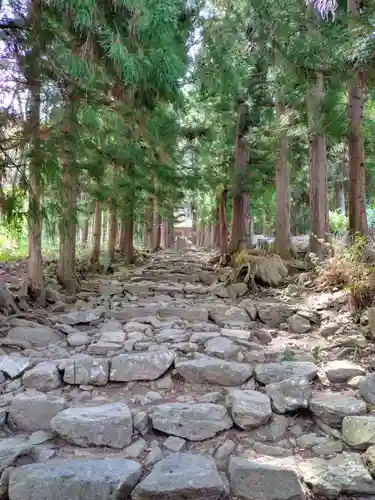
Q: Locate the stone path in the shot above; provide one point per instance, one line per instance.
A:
(167, 385)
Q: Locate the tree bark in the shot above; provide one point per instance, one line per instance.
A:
(128, 230)
(112, 237)
(67, 257)
(95, 256)
(33, 74)
(85, 231)
(357, 182)
(317, 169)
(283, 240)
(223, 221)
(157, 229)
(240, 201)
(148, 223)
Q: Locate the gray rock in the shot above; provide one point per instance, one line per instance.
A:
(109, 479)
(14, 367)
(274, 313)
(299, 324)
(269, 480)
(194, 422)
(33, 411)
(342, 370)
(75, 317)
(236, 334)
(172, 335)
(290, 394)
(44, 377)
(332, 407)
(78, 339)
(206, 369)
(344, 474)
(141, 422)
(136, 449)
(182, 475)
(86, 370)
(202, 337)
(11, 449)
(221, 347)
(225, 450)
(276, 372)
(359, 432)
(174, 443)
(105, 425)
(223, 315)
(154, 456)
(271, 451)
(188, 314)
(366, 386)
(28, 338)
(249, 409)
(148, 365)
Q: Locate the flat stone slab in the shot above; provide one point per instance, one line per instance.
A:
(84, 369)
(270, 373)
(14, 367)
(105, 425)
(194, 422)
(109, 479)
(344, 474)
(332, 407)
(148, 365)
(339, 371)
(76, 317)
(182, 475)
(249, 409)
(188, 314)
(43, 377)
(33, 410)
(359, 432)
(29, 337)
(229, 315)
(206, 369)
(253, 480)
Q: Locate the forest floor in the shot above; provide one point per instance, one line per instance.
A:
(272, 392)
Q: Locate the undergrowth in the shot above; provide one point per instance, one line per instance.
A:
(350, 269)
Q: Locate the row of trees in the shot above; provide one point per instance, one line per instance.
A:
(288, 95)
(90, 120)
(260, 114)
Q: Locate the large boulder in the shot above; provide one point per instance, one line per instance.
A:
(11, 449)
(182, 475)
(343, 474)
(341, 370)
(105, 425)
(290, 394)
(332, 407)
(14, 367)
(29, 338)
(148, 365)
(33, 410)
(274, 313)
(276, 372)
(229, 315)
(84, 369)
(108, 479)
(270, 480)
(359, 432)
(249, 409)
(43, 377)
(194, 422)
(206, 369)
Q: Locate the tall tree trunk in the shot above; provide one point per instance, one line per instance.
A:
(66, 270)
(157, 228)
(194, 228)
(104, 229)
(148, 223)
(95, 256)
(33, 73)
(223, 221)
(283, 240)
(240, 202)
(215, 236)
(85, 230)
(318, 169)
(357, 183)
(112, 237)
(67, 257)
(128, 230)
